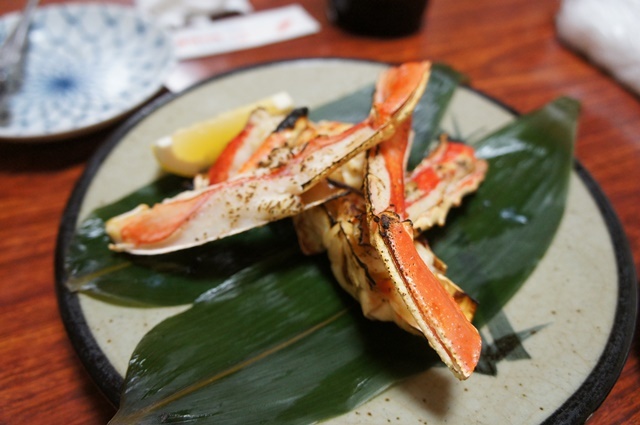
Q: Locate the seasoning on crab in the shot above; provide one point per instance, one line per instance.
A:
(270, 191)
(367, 211)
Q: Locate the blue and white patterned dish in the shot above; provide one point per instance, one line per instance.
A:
(87, 65)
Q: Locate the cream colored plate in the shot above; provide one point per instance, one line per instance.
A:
(560, 372)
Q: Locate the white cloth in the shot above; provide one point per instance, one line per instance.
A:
(174, 14)
(607, 32)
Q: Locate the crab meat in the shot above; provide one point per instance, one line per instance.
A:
(374, 256)
(391, 233)
(435, 312)
(366, 217)
(238, 151)
(440, 182)
(266, 193)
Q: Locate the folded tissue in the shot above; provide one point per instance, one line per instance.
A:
(607, 33)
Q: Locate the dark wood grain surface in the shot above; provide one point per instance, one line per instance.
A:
(509, 49)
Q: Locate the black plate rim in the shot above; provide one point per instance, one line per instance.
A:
(576, 409)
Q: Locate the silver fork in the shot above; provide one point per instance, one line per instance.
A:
(12, 59)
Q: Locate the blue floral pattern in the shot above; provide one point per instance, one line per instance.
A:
(87, 64)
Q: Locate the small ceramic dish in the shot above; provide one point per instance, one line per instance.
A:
(86, 66)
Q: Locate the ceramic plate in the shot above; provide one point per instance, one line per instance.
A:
(86, 65)
(577, 308)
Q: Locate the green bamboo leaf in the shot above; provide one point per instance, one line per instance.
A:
(291, 347)
(496, 239)
(294, 349)
(300, 352)
(178, 278)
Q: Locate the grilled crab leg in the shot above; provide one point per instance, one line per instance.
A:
(260, 125)
(435, 312)
(375, 257)
(252, 150)
(266, 194)
(440, 181)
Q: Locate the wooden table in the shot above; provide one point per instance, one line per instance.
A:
(509, 49)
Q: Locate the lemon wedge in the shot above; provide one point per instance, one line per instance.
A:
(190, 150)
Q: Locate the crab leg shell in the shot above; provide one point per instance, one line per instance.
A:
(229, 208)
(252, 200)
(286, 132)
(259, 125)
(390, 95)
(398, 91)
(338, 228)
(232, 206)
(467, 304)
(385, 170)
(433, 310)
(440, 182)
(445, 326)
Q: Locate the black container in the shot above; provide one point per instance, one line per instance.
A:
(381, 18)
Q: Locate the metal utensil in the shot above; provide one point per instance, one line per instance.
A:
(12, 59)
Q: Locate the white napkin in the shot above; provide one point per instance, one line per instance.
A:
(606, 32)
(174, 14)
